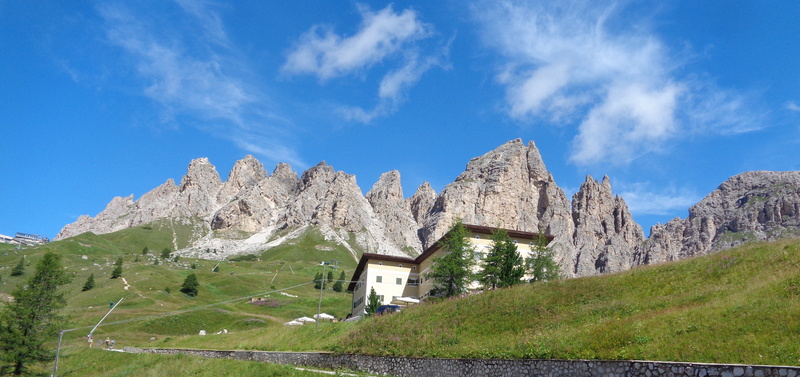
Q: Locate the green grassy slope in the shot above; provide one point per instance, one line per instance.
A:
(153, 290)
(738, 306)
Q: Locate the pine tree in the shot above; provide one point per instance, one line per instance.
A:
(145, 250)
(330, 276)
(190, 285)
(19, 269)
(89, 283)
(166, 253)
(540, 265)
(503, 266)
(319, 281)
(28, 321)
(338, 286)
(117, 272)
(372, 303)
(453, 271)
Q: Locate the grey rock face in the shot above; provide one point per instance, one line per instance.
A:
(605, 233)
(508, 187)
(390, 206)
(756, 205)
(421, 203)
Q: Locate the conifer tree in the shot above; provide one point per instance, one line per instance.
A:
(330, 276)
(503, 266)
(540, 265)
(117, 272)
(28, 321)
(145, 250)
(453, 271)
(372, 303)
(338, 286)
(89, 283)
(190, 285)
(319, 280)
(19, 269)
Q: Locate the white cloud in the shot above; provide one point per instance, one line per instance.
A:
(324, 53)
(643, 201)
(382, 36)
(200, 83)
(792, 106)
(581, 60)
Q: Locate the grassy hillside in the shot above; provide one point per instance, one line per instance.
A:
(739, 306)
(154, 307)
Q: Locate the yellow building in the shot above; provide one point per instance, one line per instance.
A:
(407, 279)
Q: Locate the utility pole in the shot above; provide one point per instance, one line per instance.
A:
(58, 351)
(319, 305)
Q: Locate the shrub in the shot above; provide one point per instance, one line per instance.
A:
(190, 285)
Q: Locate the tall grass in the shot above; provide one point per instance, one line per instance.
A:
(733, 307)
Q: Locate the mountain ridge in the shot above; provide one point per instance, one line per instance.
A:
(507, 187)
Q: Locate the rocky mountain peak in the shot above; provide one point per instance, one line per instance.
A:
(508, 187)
(246, 172)
(756, 205)
(389, 205)
(421, 202)
(283, 171)
(321, 172)
(201, 173)
(605, 233)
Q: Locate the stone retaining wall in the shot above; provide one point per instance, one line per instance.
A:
(406, 366)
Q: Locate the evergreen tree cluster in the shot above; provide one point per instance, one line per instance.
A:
(28, 321)
(502, 267)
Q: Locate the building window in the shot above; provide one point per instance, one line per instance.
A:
(515, 241)
(380, 298)
(477, 237)
(379, 279)
(399, 265)
(399, 281)
(380, 263)
(414, 268)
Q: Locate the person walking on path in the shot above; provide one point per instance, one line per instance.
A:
(108, 343)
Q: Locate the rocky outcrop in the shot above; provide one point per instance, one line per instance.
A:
(389, 204)
(508, 187)
(605, 233)
(757, 205)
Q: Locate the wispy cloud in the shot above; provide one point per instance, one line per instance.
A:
(642, 199)
(189, 73)
(578, 60)
(792, 106)
(383, 36)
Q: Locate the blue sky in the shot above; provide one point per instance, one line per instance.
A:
(111, 98)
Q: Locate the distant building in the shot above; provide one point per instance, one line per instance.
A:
(6, 239)
(399, 280)
(24, 239)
